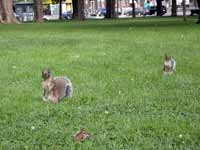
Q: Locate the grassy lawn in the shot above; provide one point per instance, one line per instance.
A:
(120, 94)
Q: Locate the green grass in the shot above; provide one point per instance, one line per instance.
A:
(120, 94)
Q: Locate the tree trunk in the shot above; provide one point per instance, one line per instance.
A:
(75, 9)
(117, 13)
(108, 8)
(78, 9)
(1, 12)
(174, 10)
(159, 5)
(96, 4)
(113, 14)
(133, 8)
(198, 21)
(6, 12)
(81, 15)
(184, 10)
(60, 9)
(38, 9)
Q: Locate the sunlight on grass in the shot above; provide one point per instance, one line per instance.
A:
(120, 94)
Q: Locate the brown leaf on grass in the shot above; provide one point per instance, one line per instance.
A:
(81, 135)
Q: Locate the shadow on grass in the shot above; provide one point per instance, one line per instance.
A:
(136, 22)
(106, 24)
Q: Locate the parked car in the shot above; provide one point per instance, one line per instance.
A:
(154, 9)
(194, 11)
(50, 17)
(17, 16)
(67, 15)
(23, 11)
(138, 12)
(101, 12)
(23, 17)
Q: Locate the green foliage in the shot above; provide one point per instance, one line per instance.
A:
(120, 94)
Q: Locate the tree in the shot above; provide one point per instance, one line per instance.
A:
(174, 11)
(6, 12)
(113, 14)
(38, 9)
(110, 9)
(75, 9)
(78, 9)
(184, 10)
(198, 21)
(117, 13)
(81, 14)
(159, 5)
(133, 8)
(60, 9)
(96, 4)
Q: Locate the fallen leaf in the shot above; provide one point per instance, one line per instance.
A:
(81, 135)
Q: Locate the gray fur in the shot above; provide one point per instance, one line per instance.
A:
(174, 65)
(169, 66)
(68, 90)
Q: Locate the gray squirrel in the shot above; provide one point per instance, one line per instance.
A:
(169, 66)
(55, 88)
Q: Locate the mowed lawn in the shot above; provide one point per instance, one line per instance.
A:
(120, 95)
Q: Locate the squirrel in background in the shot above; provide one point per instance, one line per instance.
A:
(169, 66)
